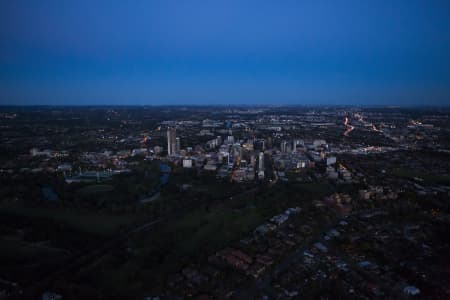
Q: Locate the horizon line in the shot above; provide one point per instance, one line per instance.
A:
(234, 105)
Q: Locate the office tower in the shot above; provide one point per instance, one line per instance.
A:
(261, 161)
(178, 146)
(171, 141)
(284, 146)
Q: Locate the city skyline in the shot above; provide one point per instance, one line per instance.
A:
(224, 202)
(240, 149)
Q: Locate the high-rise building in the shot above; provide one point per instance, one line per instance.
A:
(284, 146)
(177, 145)
(261, 161)
(261, 172)
(171, 141)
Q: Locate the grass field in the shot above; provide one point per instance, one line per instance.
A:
(210, 230)
(16, 251)
(195, 233)
(95, 189)
(90, 222)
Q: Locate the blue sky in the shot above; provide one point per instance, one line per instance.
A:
(225, 52)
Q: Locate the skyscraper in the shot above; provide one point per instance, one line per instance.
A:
(261, 161)
(284, 146)
(171, 141)
(261, 174)
(178, 146)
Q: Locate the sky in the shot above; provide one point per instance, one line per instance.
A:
(190, 52)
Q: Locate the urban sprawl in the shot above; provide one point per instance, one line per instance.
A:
(224, 203)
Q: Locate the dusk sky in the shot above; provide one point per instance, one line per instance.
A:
(377, 52)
